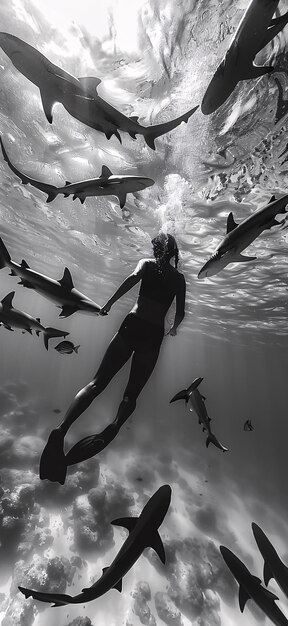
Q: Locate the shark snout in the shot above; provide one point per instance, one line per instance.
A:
(9, 43)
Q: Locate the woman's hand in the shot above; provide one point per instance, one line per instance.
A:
(105, 309)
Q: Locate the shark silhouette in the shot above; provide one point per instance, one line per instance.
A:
(79, 95)
(12, 318)
(105, 185)
(255, 31)
(62, 291)
(143, 533)
(239, 236)
(250, 587)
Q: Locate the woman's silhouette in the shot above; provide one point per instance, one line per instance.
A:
(140, 336)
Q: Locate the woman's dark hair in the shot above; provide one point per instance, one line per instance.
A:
(165, 248)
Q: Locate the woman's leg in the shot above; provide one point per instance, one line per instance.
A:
(116, 355)
(142, 367)
(53, 464)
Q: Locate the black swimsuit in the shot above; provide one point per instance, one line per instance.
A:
(140, 335)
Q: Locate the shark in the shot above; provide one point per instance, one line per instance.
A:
(79, 96)
(143, 533)
(107, 184)
(186, 393)
(273, 566)
(12, 318)
(62, 291)
(197, 404)
(250, 587)
(256, 29)
(240, 236)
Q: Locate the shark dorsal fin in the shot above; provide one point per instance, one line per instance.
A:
(7, 301)
(67, 182)
(243, 597)
(134, 118)
(66, 280)
(118, 585)
(38, 320)
(272, 199)
(231, 224)
(90, 83)
(126, 522)
(24, 264)
(155, 542)
(105, 173)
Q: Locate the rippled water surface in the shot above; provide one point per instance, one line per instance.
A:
(155, 60)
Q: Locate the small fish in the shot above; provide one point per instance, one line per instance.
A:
(248, 425)
(67, 347)
(56, 410)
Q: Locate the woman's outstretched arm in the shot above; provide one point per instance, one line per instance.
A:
(128, 283)
(180, 306)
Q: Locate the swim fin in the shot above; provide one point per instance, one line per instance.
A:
(91, 445)
(53, 465)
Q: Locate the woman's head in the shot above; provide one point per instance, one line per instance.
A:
(165, 248)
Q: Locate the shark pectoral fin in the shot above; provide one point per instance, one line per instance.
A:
(256, 71)
(156, 543)
(66, 281)
(267, 573)
(8, 327)
(126, 522)
(7, 301)
(182, 395)
(68, 310)
(231, 224)
(122, 199)
(12, 273)
(243, 597)
(47, 103)
(269, 594)
(37, 332)
(25, 283)
(105, 173)
(118, 585)
(51, 196)
(241, 258)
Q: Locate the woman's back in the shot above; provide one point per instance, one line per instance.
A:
(158, 288)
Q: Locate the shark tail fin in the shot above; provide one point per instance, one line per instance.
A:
(182, 395)
(4, 255)
(52, 332)
(151, 133)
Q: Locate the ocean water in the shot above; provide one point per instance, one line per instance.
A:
(155, 59)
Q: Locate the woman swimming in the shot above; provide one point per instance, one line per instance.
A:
(140, 336)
